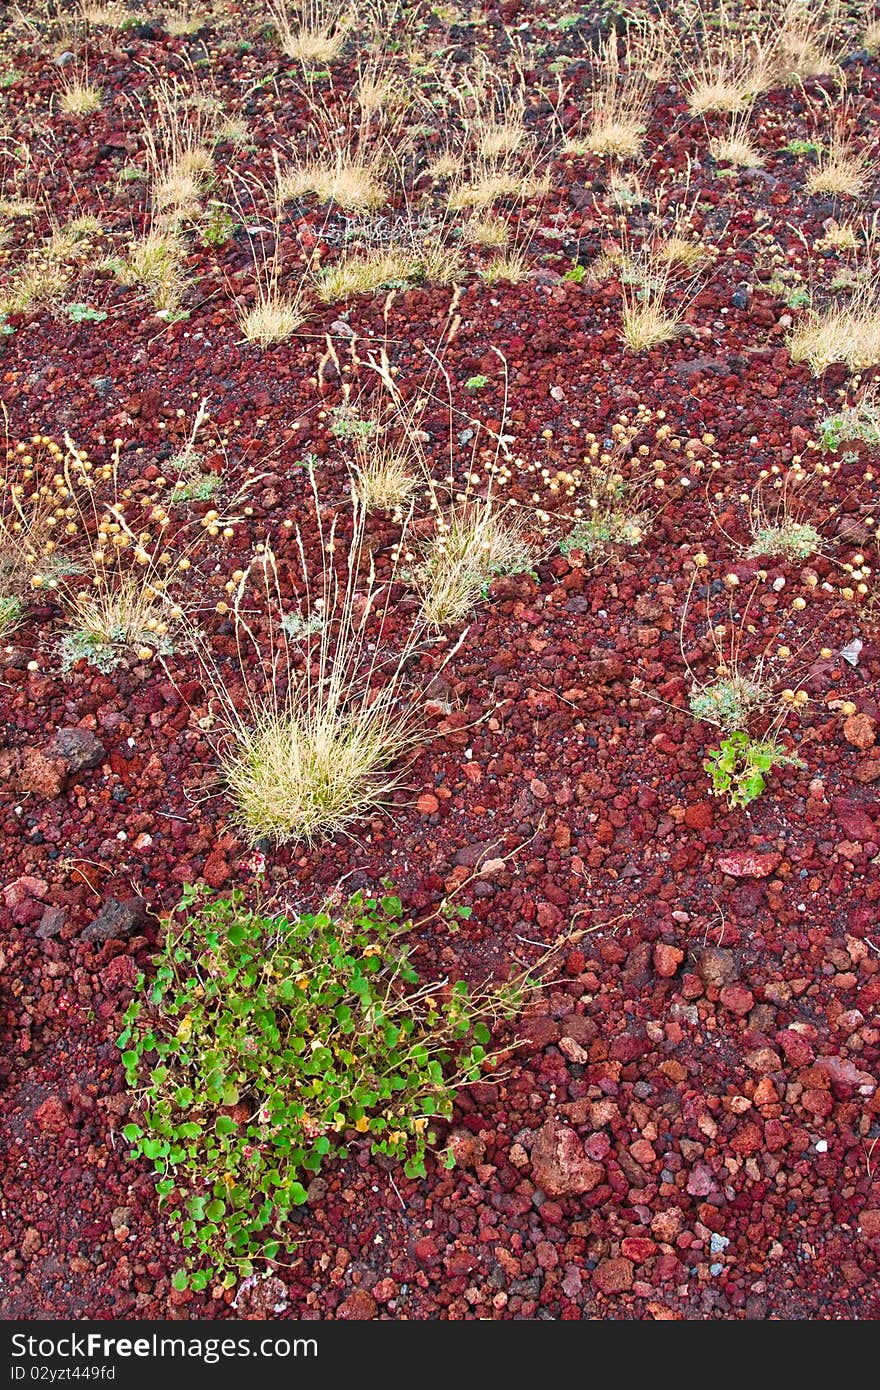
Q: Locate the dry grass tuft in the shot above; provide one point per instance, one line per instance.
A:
(316, 738)
(736, 147)
(726, 64)
(476, 540)
(808, 43)
(351, 184)
(155, 263)
(618, 119)
(363, 272)
(179, 139)
(508, 269)
(847, 333)
(490, 231)
(79, 97)
(843, 168)
(311, 31)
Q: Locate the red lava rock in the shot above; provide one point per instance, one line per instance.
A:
(216, 871)
(32, 1242)
(860, 730)
(360, 1306)
(539, 1030)
(737, 998)
(745, 863)
(716, 967)
(667, 959)
(796, 1047)
(701, 1181)
(425, 1251)
(22, 899)
(560, 1165)
(385, 1290)
(597, 1146)
(845, 1075)
(52, 1115)
(869, 1223)
(638, 1249)
(854, 821)
(467, 1149)
(613, 1276)
(33, 773)
(700, 816)
(573, 1050)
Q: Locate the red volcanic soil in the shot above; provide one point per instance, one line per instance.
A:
(690, 1126)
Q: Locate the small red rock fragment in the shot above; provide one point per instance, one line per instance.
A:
(560, 1166)
(667, 959)
(746, 863)
(860, 730)
(613, 1276)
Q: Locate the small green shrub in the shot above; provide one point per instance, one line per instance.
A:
(606, 528)
(347, 424)
(857, 422)
(11, 610)
(84, 313)
(261, 1043)
(793, 539)
(219, 225)
(729, 702)
(737, 768)
(476, 383)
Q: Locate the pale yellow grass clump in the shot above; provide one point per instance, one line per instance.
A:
(363, 272)
(179, 140)
(645, 279)
(50, 269)
(183, 19)
(848, 333)
(475, 541)
(385, 471)
(839, 236)
(37, 284)
(112, 14)
(842, 170)
(311, 31)
(155, 263)
(648, 323)
(318, 736)
(739, 150)
(808, 43)
(511, 268)
(447, 165)
(79, 97)
(440, 263)
(346, 181)
(726, 64)
(618, 119)
(736, 146)
(871, 39)
(274, 318)
(490, 231)
(491, 187)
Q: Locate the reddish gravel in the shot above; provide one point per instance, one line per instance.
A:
(690, 1127)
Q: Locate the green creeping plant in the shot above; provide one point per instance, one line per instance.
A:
(737, 768)
(258, 1047)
